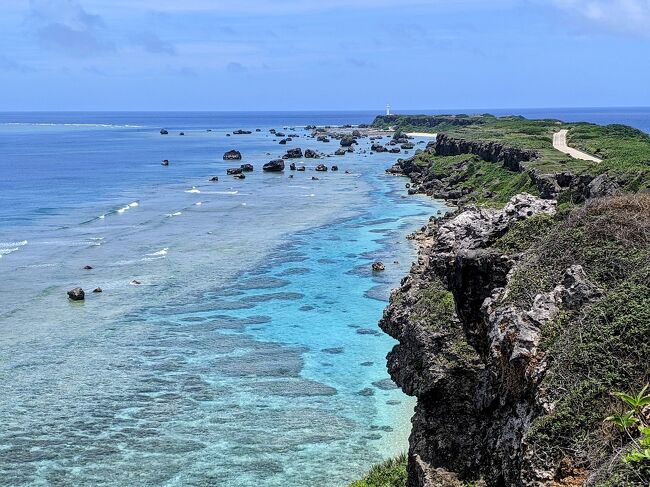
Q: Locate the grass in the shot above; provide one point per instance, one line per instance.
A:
(391, 473)
(625, 151)
(482, 182)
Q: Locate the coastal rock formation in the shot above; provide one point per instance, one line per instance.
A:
(234, 171)
(348, 141)
(76, 294)
(247, 167)
(311, 154)
(340, 152)
(378, 148)
(321, 168)
(293, 153)
(232, 155)
(276, 165)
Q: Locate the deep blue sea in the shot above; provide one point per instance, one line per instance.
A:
(249, 354)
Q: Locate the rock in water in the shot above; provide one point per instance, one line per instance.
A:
(378, 266)
(348, 140)
(292, 166)
(240, 176)
(247, 167)
(301, 169)
(335, 168)
(163, 132)
(340, 152)
(321, 168)
(165, 162)
(276, 165)
(88, 267)
(293, 153)
(214, 179)
(76, 294)
(233, 171)
(242, 132)
(232, 155)
(311, 154)
(97, 290)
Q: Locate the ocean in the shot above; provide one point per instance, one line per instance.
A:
(249, 352)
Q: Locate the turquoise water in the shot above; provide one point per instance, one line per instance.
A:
(250, 352)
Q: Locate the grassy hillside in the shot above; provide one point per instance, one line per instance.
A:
(625, 151)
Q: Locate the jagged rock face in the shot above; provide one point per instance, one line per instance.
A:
(510, 157)
(476, 377)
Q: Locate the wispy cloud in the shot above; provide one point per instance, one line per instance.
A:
(8, 64)
(153, 44)
(64, 25)
(628, 16)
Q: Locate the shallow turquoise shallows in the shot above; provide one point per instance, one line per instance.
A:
(248, 355)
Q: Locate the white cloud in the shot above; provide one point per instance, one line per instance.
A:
(627, 16)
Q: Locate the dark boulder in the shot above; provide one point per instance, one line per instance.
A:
(407, 146)
(88, 267)
(293, 153)
(232, 155)
(394, 150)
(247, 167)
(340, 152)
(378, 266)
(97, 290)
(242, 132)
(335, 168)
(164, 162)
(314, 178)
(77, 294)
(283, 142)
(378, 148)
(181, 133)
(301, 169)
(322, 138)
(292, 166)
(321, 168)
(311, 154)
(240, 176)
(276, 165)
(214, 179)
(233, 171)
(163, 132)
(347, 141)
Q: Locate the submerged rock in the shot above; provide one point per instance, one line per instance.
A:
(97, 290)
(76, 294)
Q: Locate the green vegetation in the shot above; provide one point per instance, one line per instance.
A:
(598, 348)
(625, 151)
(436, 307)
(635, 425)
(391, 473)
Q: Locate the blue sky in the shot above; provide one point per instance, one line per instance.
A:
(327, 54)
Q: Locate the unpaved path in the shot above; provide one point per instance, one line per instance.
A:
(559, 142)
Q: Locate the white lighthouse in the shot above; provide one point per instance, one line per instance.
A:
(387, 109)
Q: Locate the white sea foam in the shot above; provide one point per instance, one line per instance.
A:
(22, 243)
(160, 252)
(174, 214)
(99, 125)
(193, 190)
(134, 204)
(198, 203)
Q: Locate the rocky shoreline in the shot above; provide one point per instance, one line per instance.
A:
(484, 363)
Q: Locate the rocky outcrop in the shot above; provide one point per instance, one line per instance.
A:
(475, 371)
(233, 171)
(293, 153)
(247, 167)
(276, 165)
(76, 294)
(232, 155)
(510, 157)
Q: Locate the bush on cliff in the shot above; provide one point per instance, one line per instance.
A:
(391, 473)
